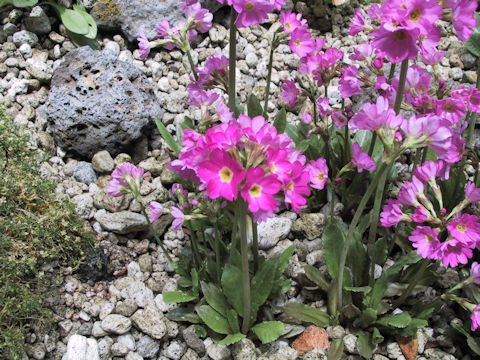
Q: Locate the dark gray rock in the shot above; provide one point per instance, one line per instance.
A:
(97, 102)
(130, 16)
(37, 21)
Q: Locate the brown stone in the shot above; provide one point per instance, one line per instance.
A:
(313, 337)
(409, 346)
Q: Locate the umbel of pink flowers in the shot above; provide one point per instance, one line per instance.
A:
(247, 158)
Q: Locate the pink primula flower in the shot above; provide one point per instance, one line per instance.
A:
(398, 42)
(318, 171)
(143, 44)
(357, 24)
(453, 252)
(425, 240)
(361, 159)
(301, 42)
(156, 210)
(222, 175)
(475, 272)
(463, 18)
(466, 229)
(349, 83)
(475, 317)
(472, 193)
(290, 92)
(259, 190)
(392, 214)
(178, 217)
(251, 12)
(297, 187)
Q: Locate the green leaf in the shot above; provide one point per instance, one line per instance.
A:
(412, 328)
(81, 40)
(293, 133)
(307, 313)
(195, 283)
(357, 260)
(366, 318)
(232, 319)
(269, 331)
(172, 297)
(92, 25)
(253, 106)
(232, 339)
(377, 338)
(233, 287)
(333, 240)
(172, 144)
(24, 3)
(364, 289)
(280, 283)
(399, 321)
(200, 330)
(460, 329)
(215, 298)
(188, 123)
(316, 276)
(473, 43)
(280, 122)
(184, 314)
(473, 344)
(380, 251)
(411, 258)
(365, 346)
(72, 20)
(335, 350)
(213, 319)
(262, 284)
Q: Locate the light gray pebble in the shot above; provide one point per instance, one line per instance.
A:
(25, 37)
(83, 172)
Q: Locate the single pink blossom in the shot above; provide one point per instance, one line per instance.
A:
(339, 119)
(425, 240)
(357, 24)
(465, 229)
(297, 187)
(472, 193)
(349, 83)
(251, 12)
(301, 42)
(318, 171)
(475, 272)
(475, 317)
(454, 252)
(259, 190)
(178, 217)
(290, 92)
(143, 44)
(398, 42)
(391, 213)
(156, 210)
(361, 159)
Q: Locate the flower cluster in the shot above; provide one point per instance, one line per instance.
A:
(252, 12)
(182, 33)
(448, 238)
(247, 157)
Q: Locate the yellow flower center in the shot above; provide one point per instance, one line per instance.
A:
(255, 190)
(429, 238)
(273, 168)
(400, 35)
(448, 107)
(226, 175)
(288, 25)
(290, 186)
(461, 227)
(415, 15)
(249, 5)
(298, 43)
(422, 88)
(320, 176)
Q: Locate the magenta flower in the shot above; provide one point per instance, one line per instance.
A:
(290, 92)
(307, 118)
(419, 215)
(429, 130)
(466, 229)
(291, 21)
(259, 190)
(296, 188)
(376, 116)
(203, 18)
(251, 12)
(472, 193)
(339, 119)
(361, 159)
(222, 175)
(156, 210)
(349, 83)
(425, 240)
(475, 317)
(361, 52)
(450, 109)
(126, 170)
(422, 14)
(301, 42)
(392, 214)
(454, 252)
(398, 43)
(178, 217)
(475, 272)
(278, 163)
(432, 58)
(409, 192)
(429, 170)
(117, 187)
(143, 44)
(324, 108)
(357, 24)
(318, 171)
(463, 18)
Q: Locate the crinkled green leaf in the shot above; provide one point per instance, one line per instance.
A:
(316, 276)
(307, 313)
(232, 319)
(215, 298)
(281, 284)
(395, 320)
(172, 297)
(24, 3)
(280, 122)
(364, 343)
(213, 319)
(262, 284)
(366, 318)
(377, 338)
(335, 350)
(269, 331)
(184, 314)
(253, 106)
(333, 240)
(363, 289)
(232, 339)
(233, 287)
(413, 326)
(73, 21)
(357, 261)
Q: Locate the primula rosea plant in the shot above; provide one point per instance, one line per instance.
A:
(241, 169)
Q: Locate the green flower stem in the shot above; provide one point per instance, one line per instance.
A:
(417, 160)
(356, 218)
(232, 93)
(413, 283)
(372, 144)
(401, 86)
(375, 214)
(196, 254)
(242, 216)
(154, 231)
(332, 202)
(269, 77)
(218, 264)
(255, 246)
(391, 73)
(347, 144)
(192, 66)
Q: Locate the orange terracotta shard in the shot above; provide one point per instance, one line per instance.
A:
(313, 337)
(409, 346)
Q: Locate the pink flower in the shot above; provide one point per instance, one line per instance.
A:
(117, 187)
(357, 24)
(361, 52)
(425, 240)
(472, 193)
(301, 42)
(466, 230)
(251, 12)
(422, 14)
(222, 175)
(409, 192)
(259, 190)
(475, 317)
(361, 159)
(203, 17)
(428, 130)
(429, 170)
(452, 252)
(143, 44)
(126, 170)
(156, 210)
(463, 18)
(451, 109)
(391, 214)
(475, 272)
(307, 118)
(339, 119)
(419, 214)
(278, 163)
(290, 92)
(398, 43)
(178, 217)
(297, 187)
(432, 58)
(376, 116)
(324, 108)
(349, 83)
(318, 171)
(291, 21)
